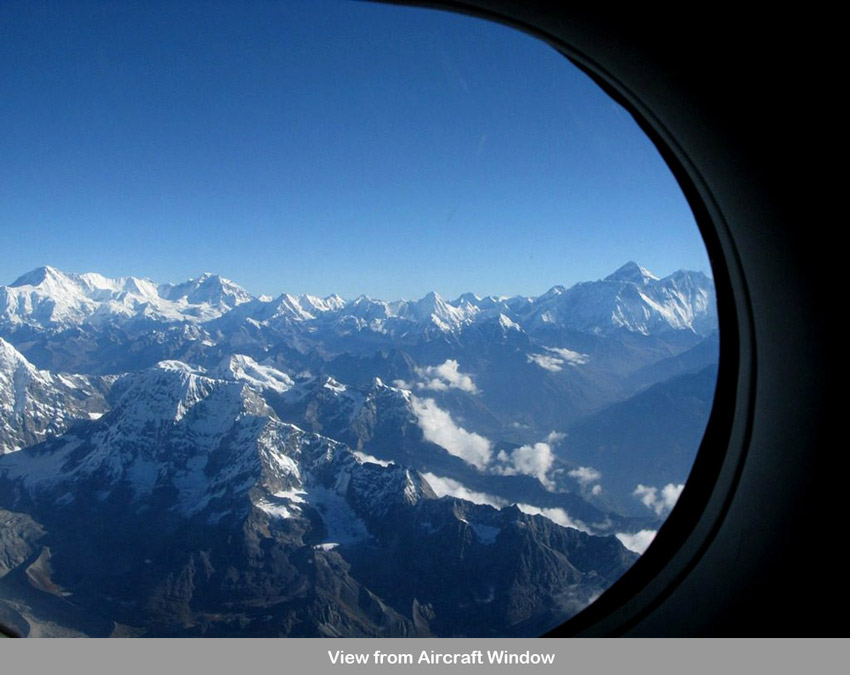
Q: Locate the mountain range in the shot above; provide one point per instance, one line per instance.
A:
(191, 460)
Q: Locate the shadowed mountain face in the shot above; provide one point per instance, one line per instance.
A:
(189, 460)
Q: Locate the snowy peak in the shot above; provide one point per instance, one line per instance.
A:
(45, 275)
(434, 309)
(467, 299)
(209, 289)
(245, 369)
(163, 393)
(317, 305)
(49, 298)
(631, 298)
(633, 273)
(364, 307)
(103, 289)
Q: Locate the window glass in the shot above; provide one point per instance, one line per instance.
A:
(330, 319)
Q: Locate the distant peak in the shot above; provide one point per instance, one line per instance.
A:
(209, 277)
(38, 276)
(207, 288)
(214, 278)
(632, 272)
(692, 274)
(468, 299)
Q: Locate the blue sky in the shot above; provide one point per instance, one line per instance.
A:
(318, 146)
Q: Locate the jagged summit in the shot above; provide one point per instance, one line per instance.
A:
(208, 288)
(36, 277)
(633, 273)
(48, 297)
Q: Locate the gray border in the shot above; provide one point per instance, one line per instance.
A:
(612, 655)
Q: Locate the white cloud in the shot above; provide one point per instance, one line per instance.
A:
(363, 457)
(596, 490)
(670, 494)
(438, 427)
(568, 355)
(556, 515)
(647, 495)
(446, 486)
(555, 437)
(445, 376)
(585, 475)
(561, 357)
(550, 363)
(443, 486)
(659, 503)
(529, 460)
(637, 542)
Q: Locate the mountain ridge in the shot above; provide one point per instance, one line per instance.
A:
(261, 466)
(47, 297)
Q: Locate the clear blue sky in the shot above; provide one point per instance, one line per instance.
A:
(318, 146)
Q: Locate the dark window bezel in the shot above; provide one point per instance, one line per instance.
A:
(695, 521)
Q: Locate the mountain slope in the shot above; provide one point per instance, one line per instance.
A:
(650, 439)
(190, 509)
(36, 405)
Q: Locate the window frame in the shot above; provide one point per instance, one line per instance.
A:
(694, 523)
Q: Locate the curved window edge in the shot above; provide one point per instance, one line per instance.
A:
(693, 524)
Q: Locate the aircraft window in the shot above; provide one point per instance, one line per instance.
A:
(331, 319)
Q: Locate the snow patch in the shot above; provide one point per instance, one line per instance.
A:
(276, 510)
(292, 495)
(486, 533)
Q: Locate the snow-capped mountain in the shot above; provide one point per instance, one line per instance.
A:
(234, 511)
(630, 299)
(206, 441)
(192, 460)
(36, 405)
(47, 298)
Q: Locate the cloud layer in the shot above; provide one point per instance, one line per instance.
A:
(637, 542)
(529, 460)
(443, 377)
(557, 358)
(662, 501)
(443, 487)
(556, 515)
(439, 427)
(452, 488)
(585, 475)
